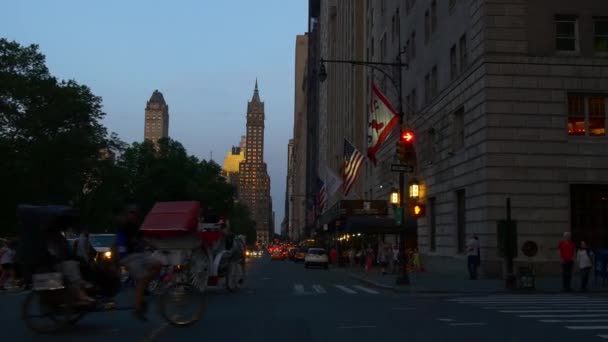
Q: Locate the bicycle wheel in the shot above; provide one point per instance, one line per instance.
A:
(182, 304)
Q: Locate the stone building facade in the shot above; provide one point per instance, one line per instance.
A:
(508, 99)
(156, 118)
(297, 196)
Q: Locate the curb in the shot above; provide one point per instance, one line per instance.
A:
(403, 289)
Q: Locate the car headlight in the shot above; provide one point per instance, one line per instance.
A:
(107, 254)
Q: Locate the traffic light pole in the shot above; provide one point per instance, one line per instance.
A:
(404, 277)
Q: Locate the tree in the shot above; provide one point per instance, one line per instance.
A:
(50, 133)
(241, 222)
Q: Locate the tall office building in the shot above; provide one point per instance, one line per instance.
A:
(254, 180)
(157, 118)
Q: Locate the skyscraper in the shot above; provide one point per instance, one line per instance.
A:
(254, 181)
(157, 118)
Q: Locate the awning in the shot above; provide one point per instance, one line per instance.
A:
(377, 225)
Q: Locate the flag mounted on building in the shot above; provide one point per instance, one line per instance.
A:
(332, 182)
(382, 119)
(321, 195)
(353, 159)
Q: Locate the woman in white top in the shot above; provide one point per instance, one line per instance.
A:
(583, 259)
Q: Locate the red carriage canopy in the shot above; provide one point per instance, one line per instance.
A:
(167, 219)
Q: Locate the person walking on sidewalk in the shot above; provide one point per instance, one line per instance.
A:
(566, 251)
(472, 256)
(583, 257)
(7, 262)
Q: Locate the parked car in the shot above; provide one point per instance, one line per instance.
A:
(316, 257)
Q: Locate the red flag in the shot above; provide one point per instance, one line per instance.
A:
(382, 120)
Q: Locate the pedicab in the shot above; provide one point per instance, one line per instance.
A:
(52, 305)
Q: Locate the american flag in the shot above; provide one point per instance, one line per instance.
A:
(353, 159)
(322, 195)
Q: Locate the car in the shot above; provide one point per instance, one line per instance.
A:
(300, 255)
(253, 253)
(316, 257)
(278, 255)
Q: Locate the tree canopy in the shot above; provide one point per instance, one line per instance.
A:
(55, 150)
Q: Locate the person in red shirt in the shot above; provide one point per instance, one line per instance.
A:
(567, 250)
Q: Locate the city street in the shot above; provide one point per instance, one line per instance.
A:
(286, 301)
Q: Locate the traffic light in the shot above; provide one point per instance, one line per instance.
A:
(417, 210)
(405, 147)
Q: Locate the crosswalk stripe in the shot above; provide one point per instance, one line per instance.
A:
(587, 327)
(365, 289)
(346, 289)
(543, 307)
(573, 320)
(602, 336)
(298, 288)
(564, 316)
(319, 288)
(541, 311)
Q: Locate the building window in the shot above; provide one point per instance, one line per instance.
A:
(464, 54)
(434, 16)
(600, 42)
(427, 88)
(453, 63)
(413, 46)
(459, 128)
(427, 27)
(460, 221)
(565, 33)
(432, 225)
(597, 116)
(576, 115)
(434, 82)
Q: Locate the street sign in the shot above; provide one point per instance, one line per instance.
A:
(402, 168)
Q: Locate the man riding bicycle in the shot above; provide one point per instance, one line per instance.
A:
(131, 251)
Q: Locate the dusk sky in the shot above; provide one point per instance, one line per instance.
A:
(204, 56)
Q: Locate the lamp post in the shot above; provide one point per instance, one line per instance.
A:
(378, 66)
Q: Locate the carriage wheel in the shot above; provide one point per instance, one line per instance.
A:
(182, 304)
(234, 276)
(199, 270)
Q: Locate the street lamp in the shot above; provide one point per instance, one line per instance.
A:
(378, 66)
(414, 190)
(394, 199)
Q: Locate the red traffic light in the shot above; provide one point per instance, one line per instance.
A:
(407, 136)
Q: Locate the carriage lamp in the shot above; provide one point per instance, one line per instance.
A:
(108, 254)
(414, 190)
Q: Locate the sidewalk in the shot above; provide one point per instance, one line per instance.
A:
(455, 283)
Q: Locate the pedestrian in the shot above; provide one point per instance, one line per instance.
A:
(7, 262)
(583, 257)
(567, 250)
(472, 256)
(369, 259)
(395, 261)
(383, 258)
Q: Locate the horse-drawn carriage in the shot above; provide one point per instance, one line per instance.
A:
(207, 249)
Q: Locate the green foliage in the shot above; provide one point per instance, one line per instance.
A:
(56, 151)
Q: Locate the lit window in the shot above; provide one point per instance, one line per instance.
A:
(597, 116)
(576, 115)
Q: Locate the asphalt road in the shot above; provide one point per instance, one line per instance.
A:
(283, 301)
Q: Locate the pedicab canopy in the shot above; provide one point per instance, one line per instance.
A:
(169, 219)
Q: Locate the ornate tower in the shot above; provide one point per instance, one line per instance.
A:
(157, 118)
(254, 181)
